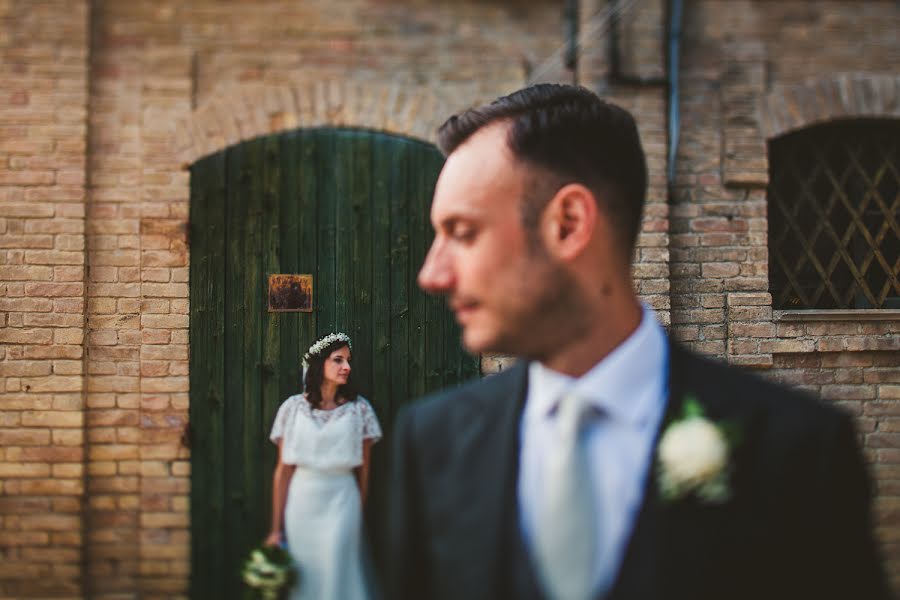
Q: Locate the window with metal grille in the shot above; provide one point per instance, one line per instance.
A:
(834, 208)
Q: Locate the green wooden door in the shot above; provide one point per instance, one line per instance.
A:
(351, 208)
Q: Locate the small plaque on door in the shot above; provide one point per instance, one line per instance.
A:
(290, 293)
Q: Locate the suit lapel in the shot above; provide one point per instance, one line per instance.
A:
(647, 552)
(488, 487)
(650, 551)
(675, 541)
(667, 537)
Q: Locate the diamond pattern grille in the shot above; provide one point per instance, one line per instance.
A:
(834, 208)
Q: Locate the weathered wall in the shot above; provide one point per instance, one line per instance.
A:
(94, 249)
(751, 71)
(173, 80)
(43, 125)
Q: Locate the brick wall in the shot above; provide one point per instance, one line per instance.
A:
(43, 111)
(752, 71)
(866, 384)
(639, 87)
(170, 82)
(93, 362)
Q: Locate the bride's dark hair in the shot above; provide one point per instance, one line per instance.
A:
(315, 375)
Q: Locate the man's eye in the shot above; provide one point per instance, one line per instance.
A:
(463, 233)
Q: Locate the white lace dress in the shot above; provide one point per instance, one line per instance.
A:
(322, 515)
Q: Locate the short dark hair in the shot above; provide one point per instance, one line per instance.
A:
(575, 137)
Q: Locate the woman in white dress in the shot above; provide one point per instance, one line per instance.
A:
(324, 437)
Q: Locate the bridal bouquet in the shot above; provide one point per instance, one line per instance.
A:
(269, 570)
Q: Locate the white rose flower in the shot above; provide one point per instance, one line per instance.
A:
(693, 456)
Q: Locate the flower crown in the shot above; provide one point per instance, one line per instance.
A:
(324, 343)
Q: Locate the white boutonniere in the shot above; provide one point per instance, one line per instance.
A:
(694, 455)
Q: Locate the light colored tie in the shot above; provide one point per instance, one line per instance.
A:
(565, 544)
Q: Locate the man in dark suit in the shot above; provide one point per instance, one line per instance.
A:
(610, 462)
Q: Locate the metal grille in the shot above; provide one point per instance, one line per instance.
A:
(834, 208)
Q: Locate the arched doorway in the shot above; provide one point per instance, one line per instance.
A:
(349, 207)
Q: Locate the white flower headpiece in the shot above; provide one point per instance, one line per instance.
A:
(324, 343)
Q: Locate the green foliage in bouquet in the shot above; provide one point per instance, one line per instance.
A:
(269, 570)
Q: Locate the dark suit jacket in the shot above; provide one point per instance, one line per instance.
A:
(797, 524)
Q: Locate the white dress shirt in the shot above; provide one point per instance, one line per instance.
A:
(628, 388)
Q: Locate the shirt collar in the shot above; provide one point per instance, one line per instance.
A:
(625, 385)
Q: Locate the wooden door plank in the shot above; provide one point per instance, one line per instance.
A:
(272, 329)
(422, 185)
(343, 243)
(358, 318)
(236, 315)
(288, 359)
(207, 294)
(382, 288)
(388, 342)
(419, 229)
(253, 292)
(352, 209)
(308, 213)
(327, 192)
(199, 333)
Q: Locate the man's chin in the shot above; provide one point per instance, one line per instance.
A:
(476, 341)
(472, 341)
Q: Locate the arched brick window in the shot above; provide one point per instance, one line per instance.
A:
(834, 208)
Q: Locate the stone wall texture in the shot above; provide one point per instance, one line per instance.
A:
(104, 105)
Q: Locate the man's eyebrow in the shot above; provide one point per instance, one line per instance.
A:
(451, 221)
(463, 214)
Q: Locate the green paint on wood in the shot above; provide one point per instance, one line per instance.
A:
(236, 213)
(419, 235)
(351, 208)
(207, 362)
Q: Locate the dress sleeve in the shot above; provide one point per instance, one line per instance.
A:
(281, 419)
(371, 427)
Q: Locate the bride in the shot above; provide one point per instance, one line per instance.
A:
(324, 437)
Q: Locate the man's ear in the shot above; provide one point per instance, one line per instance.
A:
(569, 221)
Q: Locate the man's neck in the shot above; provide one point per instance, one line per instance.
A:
(608, 329)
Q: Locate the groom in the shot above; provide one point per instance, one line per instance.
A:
(610, 462)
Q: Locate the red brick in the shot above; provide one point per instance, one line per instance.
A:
(49, 454)
(889, 392)
(26, 177)
(50, 522)
(54, 383)
(164, 321)
(24, 368)
(52, 418)
(104, 418)
(155, 336)
(25, 273)
(24, 470)
(41, 352)
(25, 336)
(848, 392)
(26, 241)
(719, 269)
(163, 259)
(53, 257)
(882, 375)
(25, 305)
(53, 320)
(49, 487)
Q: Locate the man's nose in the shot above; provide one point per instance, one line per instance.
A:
(436, 274)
